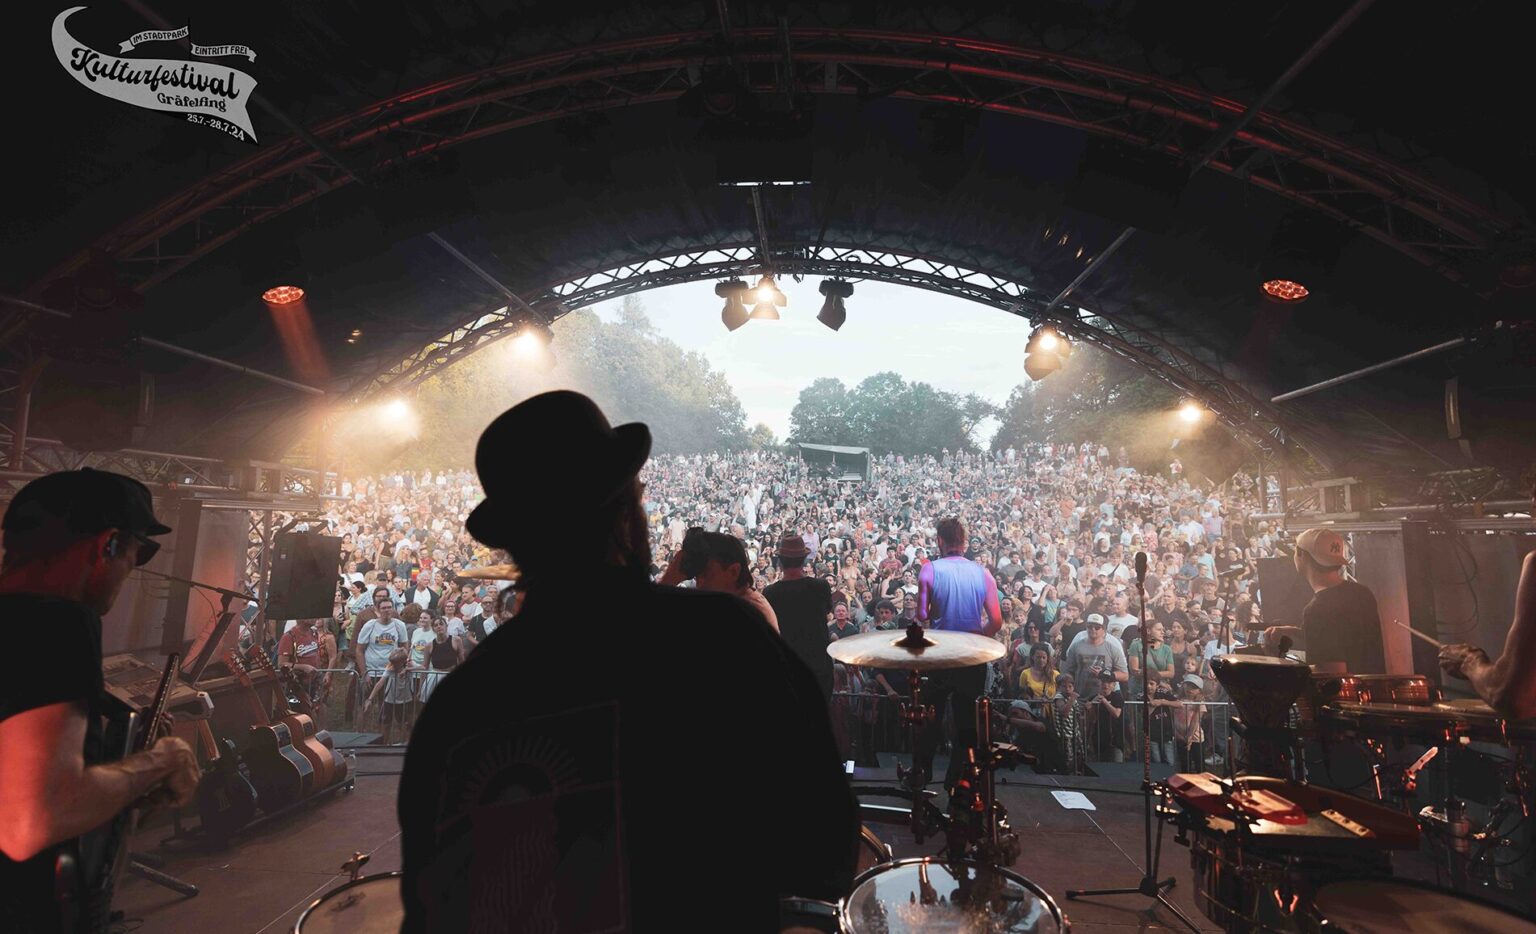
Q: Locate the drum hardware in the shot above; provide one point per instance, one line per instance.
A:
(1149, 886)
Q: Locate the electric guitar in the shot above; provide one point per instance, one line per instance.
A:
(225, 799)
(86, 870)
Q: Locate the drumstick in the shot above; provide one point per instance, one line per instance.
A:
(1432, 641)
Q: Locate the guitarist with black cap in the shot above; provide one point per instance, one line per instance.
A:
(70, 539)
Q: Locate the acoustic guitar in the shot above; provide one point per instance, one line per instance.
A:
(300, 726)
(281, 774)
(306, 704)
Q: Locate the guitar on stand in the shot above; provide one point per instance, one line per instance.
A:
(314, 745)
(83, 885)
(281, 774)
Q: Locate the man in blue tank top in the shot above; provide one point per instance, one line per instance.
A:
(959, 595)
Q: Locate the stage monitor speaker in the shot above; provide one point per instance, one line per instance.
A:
(304, 576)
(1284, 592)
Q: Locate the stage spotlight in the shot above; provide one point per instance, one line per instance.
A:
(531, 345)
(1039, 365)
(735, 314)
(1045, 351)
(282, 295)
(1284, 291)
(1191, 412)
(1047, 339)
(769, 300)
(833, 312)
(397, 408)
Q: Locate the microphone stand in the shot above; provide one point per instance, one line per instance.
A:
(1149, 884)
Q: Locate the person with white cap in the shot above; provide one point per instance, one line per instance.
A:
(1341, 624)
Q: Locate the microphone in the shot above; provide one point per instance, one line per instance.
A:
(1141, 567)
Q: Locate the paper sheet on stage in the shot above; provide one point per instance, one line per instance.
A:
(1073, 800)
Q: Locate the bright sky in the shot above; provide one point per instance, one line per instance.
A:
(952, 344)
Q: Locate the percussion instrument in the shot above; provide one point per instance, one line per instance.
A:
(1427, 725)
(1259, 846)
(1391, 906)
(934, 895)
(918, 650)
(1325, 689)
(368, 905)
(1263, 689)
(1414, 690)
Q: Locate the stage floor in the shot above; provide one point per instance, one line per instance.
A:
(266, 878)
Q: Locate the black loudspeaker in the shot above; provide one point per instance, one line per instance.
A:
(1284, 593)
(304, 576)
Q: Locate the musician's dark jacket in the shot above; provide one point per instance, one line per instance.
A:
(72, 632)
(664, 762)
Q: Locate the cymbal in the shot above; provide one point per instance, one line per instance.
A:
(491, 572)
(937, 649)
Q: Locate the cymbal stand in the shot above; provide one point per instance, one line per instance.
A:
(1149, 885)
(926, 819)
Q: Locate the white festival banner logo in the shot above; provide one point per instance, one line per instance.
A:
(207, 94)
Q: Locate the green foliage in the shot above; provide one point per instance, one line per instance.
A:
(632, 372)
(1097, 397)
(886, 414)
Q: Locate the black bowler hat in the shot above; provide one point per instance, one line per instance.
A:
(548, 457)
(71, 504)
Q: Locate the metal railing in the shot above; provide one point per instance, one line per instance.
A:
(866, 725)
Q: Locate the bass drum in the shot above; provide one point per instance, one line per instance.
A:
(1391, 906)
(935, 895)
(370, 905)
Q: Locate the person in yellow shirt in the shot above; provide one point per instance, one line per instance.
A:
(1039, 679)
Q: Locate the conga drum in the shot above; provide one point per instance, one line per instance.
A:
(1263, 690)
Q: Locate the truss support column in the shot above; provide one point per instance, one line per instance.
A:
(29, 377)
(259, 630)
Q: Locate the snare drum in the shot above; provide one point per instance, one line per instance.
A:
(1391, 906)
(1412, 690)
(370, 905)
(935, 895)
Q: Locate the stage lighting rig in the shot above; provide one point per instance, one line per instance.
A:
(833, 312)
(531, 345)
(1045, 352)
(769, 300)
(1191, 412)
(734, 314)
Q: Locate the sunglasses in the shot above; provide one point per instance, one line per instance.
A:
(147, 549)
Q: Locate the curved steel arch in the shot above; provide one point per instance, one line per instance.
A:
(1410, 213)
(1134, 337)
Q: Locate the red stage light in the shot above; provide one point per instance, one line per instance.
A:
(1285, 291)
(282, 295)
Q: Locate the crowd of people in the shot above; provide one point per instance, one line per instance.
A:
(1057, 527)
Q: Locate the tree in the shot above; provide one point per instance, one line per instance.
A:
(761, 438)
(632, 372)
(820, 416)
(1095, 396)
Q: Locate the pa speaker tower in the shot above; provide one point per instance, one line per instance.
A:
(304, 576)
